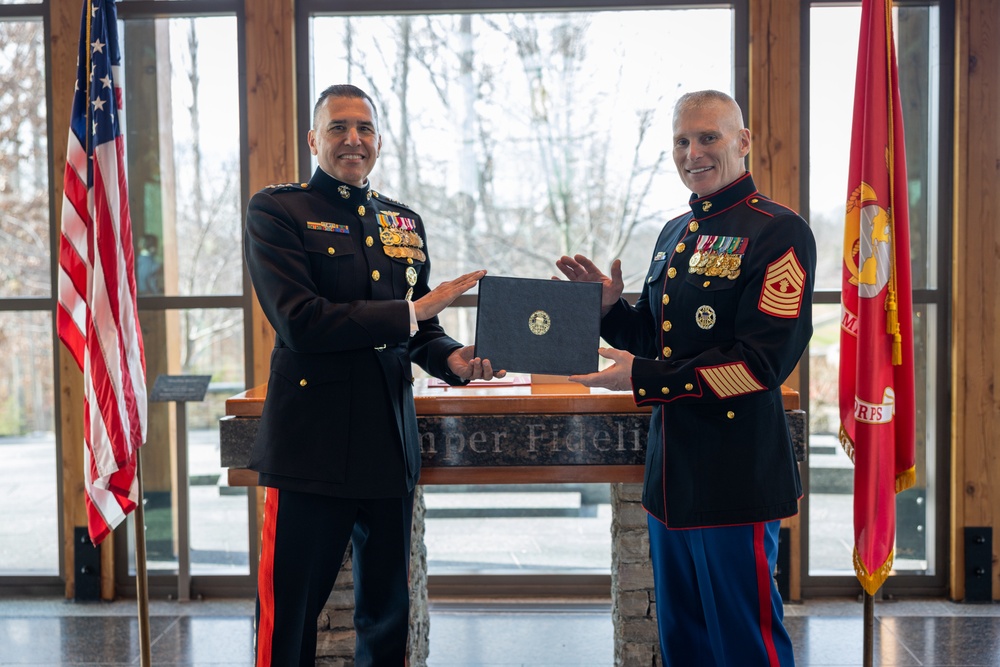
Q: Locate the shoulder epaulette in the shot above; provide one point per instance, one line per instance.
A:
(761, 203)
(285, 187)
(389, 200)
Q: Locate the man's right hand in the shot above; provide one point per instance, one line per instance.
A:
(581, 269)
(444, 294)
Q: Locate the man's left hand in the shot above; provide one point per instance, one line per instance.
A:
(463, 363)
(617, 377)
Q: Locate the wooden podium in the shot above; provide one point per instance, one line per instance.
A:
(504, 432)
(518, 431)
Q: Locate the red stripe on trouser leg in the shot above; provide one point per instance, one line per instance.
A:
(764, 593)
(265, 581)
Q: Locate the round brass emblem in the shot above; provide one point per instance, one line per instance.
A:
(705, 317)
(411, 275)
(539, 322)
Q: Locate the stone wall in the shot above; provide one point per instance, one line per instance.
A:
(633, 601)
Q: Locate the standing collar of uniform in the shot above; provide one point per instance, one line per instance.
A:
(724, 199)
(338, 191)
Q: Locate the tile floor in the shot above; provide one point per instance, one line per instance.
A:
(52, 632)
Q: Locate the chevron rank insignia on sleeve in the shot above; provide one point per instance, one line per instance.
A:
(784, 285)
(730, 380)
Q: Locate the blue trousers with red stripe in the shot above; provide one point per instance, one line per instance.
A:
(303, 543)
(716, 600)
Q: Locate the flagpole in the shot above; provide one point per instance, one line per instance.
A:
(142, 593)
(869, 641)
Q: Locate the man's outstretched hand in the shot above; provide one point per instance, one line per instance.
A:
(581, 269)
(444, 294)
(463, 363)
(617, 377)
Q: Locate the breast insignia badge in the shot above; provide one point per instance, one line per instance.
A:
(705, 317)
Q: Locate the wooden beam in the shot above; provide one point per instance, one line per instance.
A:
(64, 21)
(272, 131)
(975, 344)
(272, 137)
(775, 151)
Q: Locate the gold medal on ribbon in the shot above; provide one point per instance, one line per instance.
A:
(727, 265)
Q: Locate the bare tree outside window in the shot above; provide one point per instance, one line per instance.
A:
(24, 220)
(522, 137)
(26, 365)
(208, 206)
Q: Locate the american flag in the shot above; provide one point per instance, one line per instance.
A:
(97, 318)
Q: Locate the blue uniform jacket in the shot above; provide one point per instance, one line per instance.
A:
(331, 265)
(724, 316)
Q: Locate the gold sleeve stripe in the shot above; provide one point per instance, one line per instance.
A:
(783, 290)
(731, 380)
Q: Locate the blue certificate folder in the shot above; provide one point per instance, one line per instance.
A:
(528, 325)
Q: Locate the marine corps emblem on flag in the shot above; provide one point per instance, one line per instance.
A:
(782, 293)
(867, 242)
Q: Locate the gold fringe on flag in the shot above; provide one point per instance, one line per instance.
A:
(906, 479)
(892, 312)
(872, 581)
(892, 323)
(846, 443)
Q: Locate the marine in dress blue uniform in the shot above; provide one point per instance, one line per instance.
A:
(723, 318)
(337, 268)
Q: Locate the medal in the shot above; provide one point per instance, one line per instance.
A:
(389, 236)
(411, 276)
(704, 317)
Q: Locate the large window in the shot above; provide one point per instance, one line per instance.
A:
(181, 84)
(521, 137)
(29, 528)
(918, 36)
(182, 122)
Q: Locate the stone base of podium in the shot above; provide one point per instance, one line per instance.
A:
(633, 610)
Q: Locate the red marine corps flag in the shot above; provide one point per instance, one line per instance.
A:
(876, 334)
(97, 318)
